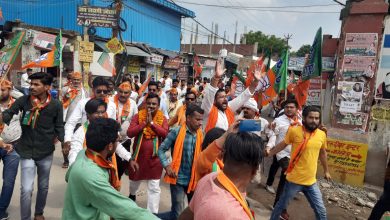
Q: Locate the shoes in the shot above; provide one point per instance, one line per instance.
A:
(132, 197)
(4, 216)
(39, 217)
(270, 189)
(284, 216)
(65, 165)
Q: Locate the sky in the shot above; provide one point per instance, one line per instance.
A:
(302, 26)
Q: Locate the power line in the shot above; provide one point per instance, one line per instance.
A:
(258, 7)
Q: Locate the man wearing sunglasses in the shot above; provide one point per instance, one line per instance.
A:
(180, 116)
(100, 91)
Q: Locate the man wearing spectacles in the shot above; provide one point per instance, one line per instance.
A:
(100, 91)
(180, 116)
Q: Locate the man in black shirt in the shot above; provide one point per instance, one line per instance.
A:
(42, 123)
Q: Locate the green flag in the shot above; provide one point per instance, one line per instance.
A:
(281, 73)
(10, 51)
(58, 49)
(313, 67)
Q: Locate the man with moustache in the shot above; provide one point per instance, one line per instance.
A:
(149, 128)
(153, 88)
(308, 145)
(180, 117)
(126, 108)
(218, 111)
(92, 192)
(71, 95)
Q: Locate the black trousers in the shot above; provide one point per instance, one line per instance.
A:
(383, 203)
(123, 164)
(272, 171)
(283, 163)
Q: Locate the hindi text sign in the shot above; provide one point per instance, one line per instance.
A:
(97, 16)
(86, 51)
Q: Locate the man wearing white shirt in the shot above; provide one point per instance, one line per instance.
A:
(153, 89)
(95, 108)
(183, 89)
(166, 81)
(25, 82)
(281, 125)
(100, 91)
(250, 111)
(126, 109)
(218, 111)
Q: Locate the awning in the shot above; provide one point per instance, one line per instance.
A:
(170, 54)
(135, 51)
(102, 45)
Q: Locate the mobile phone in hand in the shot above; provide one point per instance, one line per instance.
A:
(249, 125)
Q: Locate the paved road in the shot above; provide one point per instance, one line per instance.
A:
(57, 188)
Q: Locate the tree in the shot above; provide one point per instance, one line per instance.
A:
(266, 42)
(302, 51)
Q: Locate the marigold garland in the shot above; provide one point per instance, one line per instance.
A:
(158, 119)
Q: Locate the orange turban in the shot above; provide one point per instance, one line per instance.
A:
(194, 91)
(125, 86)
(173, 90)
(6, 84)
(77, 75)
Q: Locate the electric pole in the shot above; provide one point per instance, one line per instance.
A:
(287, 38)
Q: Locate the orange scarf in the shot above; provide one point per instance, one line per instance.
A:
(69, 97)
(294, 121)
(296, 155)
(178, 153)
(213, 118)
(181, 115)
(37, 108)
(125, 110)
(103, 163)
(217, 165)
(10, 102)
(232, 189)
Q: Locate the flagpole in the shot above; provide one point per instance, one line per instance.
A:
(322, 101)
(61, 67)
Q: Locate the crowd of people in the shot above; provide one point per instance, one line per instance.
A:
(187, 135)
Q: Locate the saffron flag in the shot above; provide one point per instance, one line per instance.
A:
(313, 67)
(106, 62)
(197, 67)
(281, 73)
(266, 90)
(262, 62)
(50, 59)
(300, 91)
(144, 85)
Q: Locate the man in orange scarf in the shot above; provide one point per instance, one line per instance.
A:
(220, 112)
(71, 95)
(126, 108)
(180, 116)
(185, 143)
(149, 128)
(10, 134)
(41, 117)
(308, 145)
(91, 191)
(222, 195)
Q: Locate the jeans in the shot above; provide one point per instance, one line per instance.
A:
(10, 169)
(28, 169)
(272, 171)
(178, 194)
(154, 192)
(312, 193)
(383, 203)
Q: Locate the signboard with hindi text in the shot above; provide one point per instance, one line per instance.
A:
(114, 46)
(361, 44)
(346, 161)
(97, 16)
(86, 51)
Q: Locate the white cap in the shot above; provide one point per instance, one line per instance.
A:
(252, 104)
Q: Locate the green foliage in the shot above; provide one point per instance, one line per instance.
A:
(304, 49)
(266, 42)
